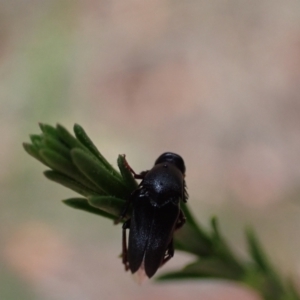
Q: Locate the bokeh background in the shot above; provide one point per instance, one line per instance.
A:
(215, 81)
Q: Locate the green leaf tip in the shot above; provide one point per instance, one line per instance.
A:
(68, 138)
(215, 226)
(257, 252)
(56, 145)
(87, 142)
(70, 183)
(48, 130)
(36, 139)
(33, 151)
(212, 267)
(82, 204)
(216, 234)
(109, 204)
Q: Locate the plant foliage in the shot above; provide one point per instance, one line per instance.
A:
(76, 163)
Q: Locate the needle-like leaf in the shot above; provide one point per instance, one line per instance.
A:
(109, 204)
(87, 142)
(98, 174)
(70, 183)
(64, 166)
(82, 204)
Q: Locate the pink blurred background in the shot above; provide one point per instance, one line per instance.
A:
(216, 81)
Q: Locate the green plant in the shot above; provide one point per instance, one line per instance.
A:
(76, 163)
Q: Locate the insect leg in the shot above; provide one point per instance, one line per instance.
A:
(126, 207)
(126, 225)
(181, 220)
(170, 250)
(185, 193)
(169, 253)
(135, 175)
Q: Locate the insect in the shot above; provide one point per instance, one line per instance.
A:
(155, 216)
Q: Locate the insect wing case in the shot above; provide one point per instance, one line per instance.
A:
(151, 232)
(155, 214)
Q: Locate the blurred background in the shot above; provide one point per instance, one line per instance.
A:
(216, 81)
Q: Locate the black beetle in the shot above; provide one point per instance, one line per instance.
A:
(156, 214)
